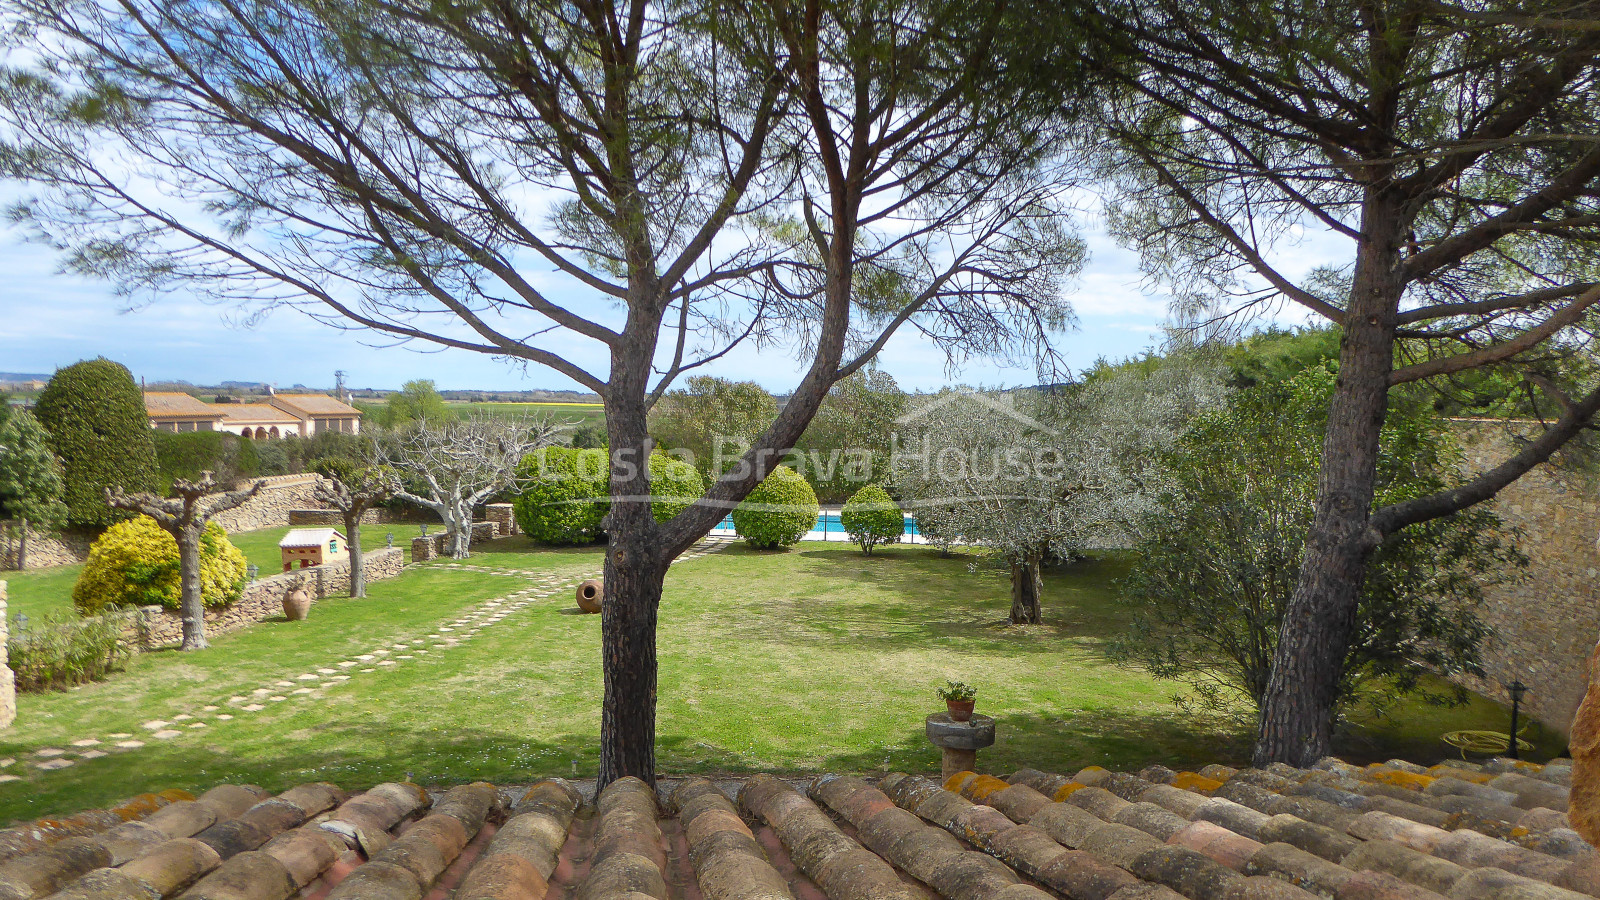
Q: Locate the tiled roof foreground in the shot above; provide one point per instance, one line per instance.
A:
(1392, 831)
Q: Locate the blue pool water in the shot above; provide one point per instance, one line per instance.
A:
(827, 523)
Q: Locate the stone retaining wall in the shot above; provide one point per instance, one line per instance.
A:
(433, 546)
(270, 508)
(381, 515)
(1547, 622)
(45, 549)
(158, 626)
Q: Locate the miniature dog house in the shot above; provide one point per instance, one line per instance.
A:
(312, 547)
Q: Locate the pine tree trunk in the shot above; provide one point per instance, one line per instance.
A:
(628, 648)
(1296, 725)
(191, 605)
(358, 565)
(1026, 585)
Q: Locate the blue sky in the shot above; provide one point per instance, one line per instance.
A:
(48, 320)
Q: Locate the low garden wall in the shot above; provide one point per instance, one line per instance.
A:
(158, 626)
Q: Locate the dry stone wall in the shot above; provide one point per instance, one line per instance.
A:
(263, 598)
(270, 508)
(1545, 623)
(45, 549)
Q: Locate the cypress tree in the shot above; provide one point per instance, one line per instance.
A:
(99, 429)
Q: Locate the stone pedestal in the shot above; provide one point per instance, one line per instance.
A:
(503, 517)
(959, 741)
(8, 680)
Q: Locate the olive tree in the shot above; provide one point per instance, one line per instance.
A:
(454, 467)
(352, 488)
(683, 177)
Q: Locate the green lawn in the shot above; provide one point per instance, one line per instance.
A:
(577, 414)
(815, 659)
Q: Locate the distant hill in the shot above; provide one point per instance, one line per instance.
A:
(24, 376)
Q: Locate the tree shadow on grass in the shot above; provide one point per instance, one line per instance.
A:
(931, 601)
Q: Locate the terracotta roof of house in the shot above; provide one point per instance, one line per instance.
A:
(256, 412)
(1392, 831)
(176, 405)
(309, 537)
(317, 405)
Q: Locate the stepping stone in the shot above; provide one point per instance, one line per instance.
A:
(254, 707)
(447, 629)
(401, 646)
(130, 745)
(8, 761)
(224, 717)
(53, 764)
(208, 709)
(9, 778)
(168, 734)
(379, 653)
(422, 652)
(50, 751)
(387, 662)
(339, 678)
(260, 692)
(86, 742)
(301, 691)
(327, 671)
(198, 725)
(235, 699)
(366, 657)
(182, 717)
(405, 656)
(154, 725)
(369, 670)
(277, 698)
(348, 664)
(308, 677)
(119, 736)
(93, 754)
(284, 683)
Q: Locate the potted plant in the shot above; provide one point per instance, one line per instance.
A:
(959, 698)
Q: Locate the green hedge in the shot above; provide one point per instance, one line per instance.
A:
(779, 512)
(565, 495)
(98, 427)
(674, 486)
(187, 454)
(872, 518)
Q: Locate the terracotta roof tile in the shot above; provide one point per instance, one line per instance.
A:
(316, 405)
(255, 413)
(1273, 834)
(171, 403)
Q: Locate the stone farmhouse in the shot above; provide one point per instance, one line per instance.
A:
(282, 415)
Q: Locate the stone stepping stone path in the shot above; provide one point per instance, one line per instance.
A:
(445, 636)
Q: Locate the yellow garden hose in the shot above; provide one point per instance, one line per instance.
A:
(1482, 743)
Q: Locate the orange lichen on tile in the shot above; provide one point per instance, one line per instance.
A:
(954, 782)
(174, 795)
(1194, 781)
(1067, 790)
(980, 788)
(1411, 781)
(1461, 774)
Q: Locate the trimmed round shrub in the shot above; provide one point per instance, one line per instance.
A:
(674, 486)
(99, 429)
(566, 492)
(872, 518)
(779, 512)
(135, 563)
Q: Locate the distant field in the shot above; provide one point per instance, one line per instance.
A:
(577, 414)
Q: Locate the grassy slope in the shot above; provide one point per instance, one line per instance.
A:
(817, 659)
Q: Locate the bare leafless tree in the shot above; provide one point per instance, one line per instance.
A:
(184, 516)
(454, 467)
(352, 489)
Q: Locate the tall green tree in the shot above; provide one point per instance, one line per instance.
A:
(416, 401)
(1445, 150)
(1219, 554)
(710, 422)
(31, 486)
(406, 166)
(101, 433)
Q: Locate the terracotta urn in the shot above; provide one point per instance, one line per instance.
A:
(590, 593)
(296, 604)
(960, 710)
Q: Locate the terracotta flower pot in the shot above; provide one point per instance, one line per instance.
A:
(960, 710)
(297, 604)
(590, 593)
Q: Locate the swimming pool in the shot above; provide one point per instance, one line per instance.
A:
(827, 523)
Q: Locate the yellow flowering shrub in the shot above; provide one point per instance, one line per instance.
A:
(135, 563)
